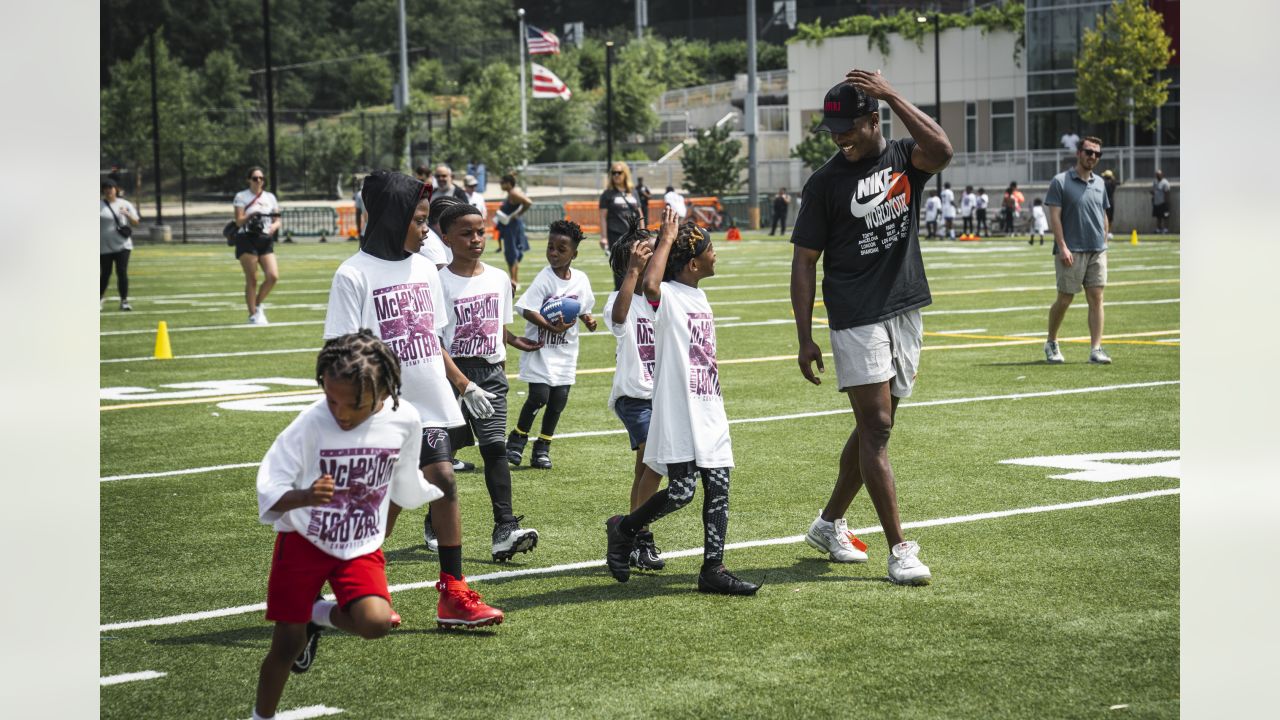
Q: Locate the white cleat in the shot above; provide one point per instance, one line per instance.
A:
(1052, 354)
(905, 568)
(834, 539)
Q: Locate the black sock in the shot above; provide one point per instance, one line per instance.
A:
(451, 560)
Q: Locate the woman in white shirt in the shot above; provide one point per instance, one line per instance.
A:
(116, 219)
(689, 433)
(258, 220)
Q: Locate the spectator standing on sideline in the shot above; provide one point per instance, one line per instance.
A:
(981, 206)
(781, 203)
(643, 194)
(617, 203)
(948, 197)
(1109, 183)
(861, 210)
(511, 235)
(444, 186)
(474, 196)
(676, 201)
(116, 219)
(968, 202)
(1077, 204)
(1160, 202)
(1070, 140)
(257, 217)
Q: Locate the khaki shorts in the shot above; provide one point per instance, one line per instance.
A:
(887, 350)
(1088, 269)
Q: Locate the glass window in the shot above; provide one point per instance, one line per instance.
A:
(886, 122)
(971, 127)
(1002, 125)
(1046, 100)
(1169, 125)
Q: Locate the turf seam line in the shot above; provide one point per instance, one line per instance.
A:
(767, 418)
(788, 540)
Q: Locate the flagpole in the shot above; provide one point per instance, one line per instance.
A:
(524, 110)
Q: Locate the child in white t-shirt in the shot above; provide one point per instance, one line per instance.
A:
(477, 303)
(630, 317)
(332, 485)
(980, 207)
(391, 288)
(1039, 222)
(689, 433)
(932, 208)
(552, 369)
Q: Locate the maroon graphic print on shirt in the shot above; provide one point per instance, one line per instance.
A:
(477, 326)
(361, 477)
(704, 375)
(644, 346)
(406, 321)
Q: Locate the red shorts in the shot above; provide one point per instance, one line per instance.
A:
(300, 569)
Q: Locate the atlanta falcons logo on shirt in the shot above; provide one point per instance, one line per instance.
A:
(880, 197)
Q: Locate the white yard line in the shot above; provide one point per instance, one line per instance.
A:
(553, 569)
(1044, 307)
(130, 677)
(966, 331)
(767, 418)
(305, 713)
(236, 326)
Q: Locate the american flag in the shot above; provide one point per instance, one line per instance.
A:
(547, 85)
(542, 42)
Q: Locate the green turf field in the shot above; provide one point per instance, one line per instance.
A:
(1053, 596)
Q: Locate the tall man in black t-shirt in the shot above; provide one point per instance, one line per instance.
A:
(860, 212)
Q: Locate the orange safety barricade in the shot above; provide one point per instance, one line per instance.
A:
(347, 221)
(586, 213)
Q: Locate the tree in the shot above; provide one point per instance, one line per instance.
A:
(816, 148)
(489, 129)
(1119, 63)
(712, 165)
(636, 88)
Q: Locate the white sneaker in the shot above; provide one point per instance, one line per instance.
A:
(905, 568)
(1098, 356)
(1052, 354)
(262, 316)
(834, 539)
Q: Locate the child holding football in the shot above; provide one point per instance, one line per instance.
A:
(551, 370)
(332, 485)
(689, 433)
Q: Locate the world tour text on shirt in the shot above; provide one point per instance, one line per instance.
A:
(406, 321)
(360, 480)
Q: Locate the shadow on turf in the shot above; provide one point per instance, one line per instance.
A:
(259, 636)
(602, 586)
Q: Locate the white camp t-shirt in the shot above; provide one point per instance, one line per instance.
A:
(633, 376)
(983, 201)
(402, 303)
(931, 208)
(265, 205)
(948, 202)
(968, 201)
(556, 362)
(1039, 222)
(434, 249)
(478, 309)
(378, 455)
(688, 421)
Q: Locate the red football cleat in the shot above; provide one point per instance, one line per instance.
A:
(460, 606)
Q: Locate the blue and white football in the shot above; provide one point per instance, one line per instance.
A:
(560, 310)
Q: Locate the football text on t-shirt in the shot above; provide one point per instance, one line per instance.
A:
(406, 321)
(361, 478)
(704, 376)
(478, 325)
(644, 346)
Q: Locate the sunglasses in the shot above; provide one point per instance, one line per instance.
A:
(616, 172)
(259, 178)
(1092, 153)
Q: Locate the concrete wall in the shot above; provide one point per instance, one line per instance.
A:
(976, 67)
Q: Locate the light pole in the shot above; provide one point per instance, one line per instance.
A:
(271, 100)
(937, 77)
(749, 120)
(608, 109)
(524, 108)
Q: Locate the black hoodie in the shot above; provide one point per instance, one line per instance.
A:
(390, 199)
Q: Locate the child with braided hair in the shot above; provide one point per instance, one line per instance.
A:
(630, 317)
(332, 485)
(689, 433)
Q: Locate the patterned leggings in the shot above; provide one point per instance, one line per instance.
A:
(681, 484)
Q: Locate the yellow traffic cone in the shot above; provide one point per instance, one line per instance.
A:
(1133, 239)
(163, 351)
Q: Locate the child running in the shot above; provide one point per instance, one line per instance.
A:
(477, 301)
(689, 433)
(332, 484)
(551, 370)
(390, 287)
(630, 317)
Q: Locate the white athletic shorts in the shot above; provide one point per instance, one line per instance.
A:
(887, 350)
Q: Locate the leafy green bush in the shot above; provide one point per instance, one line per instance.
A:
(1009, 17)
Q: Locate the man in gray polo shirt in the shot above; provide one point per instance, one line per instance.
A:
(1077, 201)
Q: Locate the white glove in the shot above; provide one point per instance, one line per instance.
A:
(476, 400)
(501, 217)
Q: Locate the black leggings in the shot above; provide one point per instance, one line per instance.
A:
(682, 481)
(553, 397)
(121, 261)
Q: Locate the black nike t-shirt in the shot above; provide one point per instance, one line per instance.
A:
(864, 218)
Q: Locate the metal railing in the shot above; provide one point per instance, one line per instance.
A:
(768, 83)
